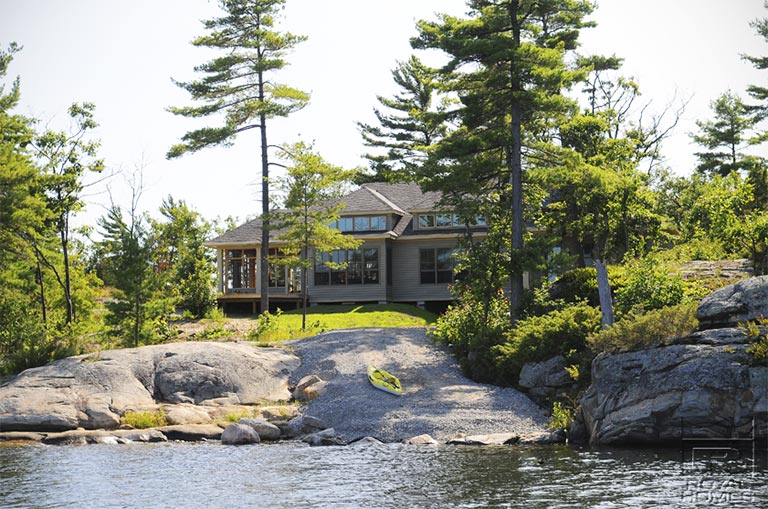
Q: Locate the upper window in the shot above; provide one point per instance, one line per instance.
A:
(444, 220)
(360, 224)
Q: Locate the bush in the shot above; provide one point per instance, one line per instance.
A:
(563, 332)
(24, 341)
(636, 332)
(757, 331)
(472, 335)
(649, 285)
(144, 420)
(580, 285)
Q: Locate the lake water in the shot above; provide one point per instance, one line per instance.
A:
(209, 475)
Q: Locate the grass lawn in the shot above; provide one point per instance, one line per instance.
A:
(324, 318)
(283, 326)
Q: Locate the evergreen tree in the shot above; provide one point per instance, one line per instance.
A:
(183, 264)
(239, 84)
(312, 187)
(725, 137)
(759, 92)
(507, 66)
(408, 126)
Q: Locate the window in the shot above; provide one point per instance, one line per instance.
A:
(277, 271)
(444, 220)
(360, 224)
(351, 267)
(240, 266)
(436, 266)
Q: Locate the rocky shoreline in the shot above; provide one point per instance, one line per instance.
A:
(701, 386)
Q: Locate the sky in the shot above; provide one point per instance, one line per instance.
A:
(122, 56)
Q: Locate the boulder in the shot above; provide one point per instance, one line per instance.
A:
(301, 425)
(546, 380)
(301, 393)
(489, 439)
(734, 304)
(239, 434)
(366, 441)
(186, 414)
(706, 389)
(324, 437)
(21, 436)
(264, 429)
(94, 391)
(192, 432)
(420, 440)
(542, 438)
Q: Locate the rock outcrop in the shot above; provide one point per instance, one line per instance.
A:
(95, 391)
(701, 386)
(733, 304)
(545, 381)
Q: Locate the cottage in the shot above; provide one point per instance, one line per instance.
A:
(407, 254)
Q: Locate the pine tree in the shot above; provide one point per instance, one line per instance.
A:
(409, 124)
(725, 137)
(507, 66)
(239, 84)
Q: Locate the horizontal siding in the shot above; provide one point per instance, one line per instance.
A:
(353, 293)
(406, 276)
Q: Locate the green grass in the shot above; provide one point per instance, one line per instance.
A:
(324, 318)
(144, 420)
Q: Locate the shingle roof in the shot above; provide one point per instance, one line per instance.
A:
(382, 198)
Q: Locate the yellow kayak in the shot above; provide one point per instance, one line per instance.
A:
(384, 381)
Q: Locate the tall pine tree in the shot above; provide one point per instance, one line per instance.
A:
(507, 66)
(240, 84)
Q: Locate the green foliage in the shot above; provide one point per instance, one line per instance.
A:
(471, 329)
(562, 416)
(535, 339)
(24, 341)
(648, 284)
(725, 137)
(184, 267)
(411, 123)
(639, 331)
(757, 332)
(265, 323)
(215, 332)
(145, 419)
(236, 83)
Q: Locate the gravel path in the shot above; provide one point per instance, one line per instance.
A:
(437, 398)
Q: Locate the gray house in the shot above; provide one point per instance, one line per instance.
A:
(406, 254)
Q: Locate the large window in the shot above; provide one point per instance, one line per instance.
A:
(347, 267)
(437, 265)
(444, 220)
(277, 271)
(360, 224)
(240, 269)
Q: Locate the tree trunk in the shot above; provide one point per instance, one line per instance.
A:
(67, 277)
(43, 305)
(604, 291)
(264, 258)
(515, 167)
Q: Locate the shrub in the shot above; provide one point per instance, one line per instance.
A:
(535, 339)
(143, 420)
(562, 416)
(639, 331)
(580, 285)
(757, 332)
(649, 285)
(265, 323)
(24, 341)
(472, 330)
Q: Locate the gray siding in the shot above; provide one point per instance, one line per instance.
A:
(353, 293)
(406, 277)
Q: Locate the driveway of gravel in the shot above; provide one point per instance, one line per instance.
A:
(437, 398)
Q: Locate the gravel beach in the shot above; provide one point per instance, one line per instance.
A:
(437, 398)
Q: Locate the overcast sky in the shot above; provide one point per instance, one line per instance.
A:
(122, 56)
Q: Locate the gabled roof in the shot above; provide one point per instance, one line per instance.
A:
(375, 198)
